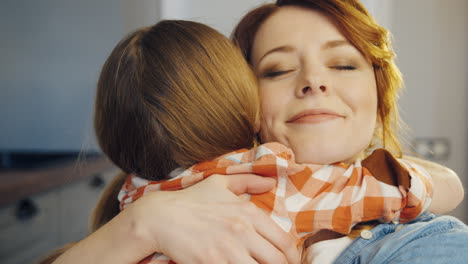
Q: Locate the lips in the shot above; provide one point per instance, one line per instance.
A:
(314, 116)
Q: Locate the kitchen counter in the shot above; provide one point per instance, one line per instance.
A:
(17, 184)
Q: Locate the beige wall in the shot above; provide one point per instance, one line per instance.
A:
(431, 40)
(139, 13)
(223, 15)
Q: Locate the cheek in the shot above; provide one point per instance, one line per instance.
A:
(367, 103)
(364, 97)
(267, 114)
(270, 102)
(267, 105)
(372, 100)
(273, 110)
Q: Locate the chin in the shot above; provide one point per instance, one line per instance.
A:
(316, 158)
(325, 155)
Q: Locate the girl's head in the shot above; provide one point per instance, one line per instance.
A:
(328, 83)
(172, 95)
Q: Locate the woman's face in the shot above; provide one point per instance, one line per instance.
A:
(318, 93)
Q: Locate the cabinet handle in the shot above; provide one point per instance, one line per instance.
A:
(97, 182)
(26, 210)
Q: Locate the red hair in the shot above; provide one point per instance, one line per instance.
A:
(362, 31)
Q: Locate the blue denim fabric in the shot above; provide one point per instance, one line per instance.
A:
(428, 239)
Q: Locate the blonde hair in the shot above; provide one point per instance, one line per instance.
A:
(362, 31)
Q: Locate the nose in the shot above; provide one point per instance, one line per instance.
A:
(308, 88)
(311, 85)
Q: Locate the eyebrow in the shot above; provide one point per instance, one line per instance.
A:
(285, 48)
(328, 45)
(334, 44)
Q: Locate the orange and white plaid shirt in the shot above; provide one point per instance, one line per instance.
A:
(308, 197)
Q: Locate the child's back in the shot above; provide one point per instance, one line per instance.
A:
(172, 95)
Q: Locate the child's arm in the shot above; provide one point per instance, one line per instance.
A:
(448, 190)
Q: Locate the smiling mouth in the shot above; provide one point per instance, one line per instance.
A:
(314, 116)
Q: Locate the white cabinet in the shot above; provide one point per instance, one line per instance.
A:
(76, 202)
(32, 227)
(22, 238)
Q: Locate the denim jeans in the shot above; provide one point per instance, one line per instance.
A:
(428, 239)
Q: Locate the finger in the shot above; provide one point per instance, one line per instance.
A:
(198, 255)
(240, 256)
(264, 252)
(241, 259)
(282, 240)
(249, 183)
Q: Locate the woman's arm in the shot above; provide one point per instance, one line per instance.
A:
(448, 189)
(206, 223)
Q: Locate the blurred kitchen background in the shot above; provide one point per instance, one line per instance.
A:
(51, 171)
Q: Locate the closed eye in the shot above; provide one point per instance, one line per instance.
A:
(272, 74)
(344, 67)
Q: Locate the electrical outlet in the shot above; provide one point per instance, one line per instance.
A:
(432, 148)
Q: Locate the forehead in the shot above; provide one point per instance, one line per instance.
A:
(292, 25)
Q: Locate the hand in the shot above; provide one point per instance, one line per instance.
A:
(209, 223)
